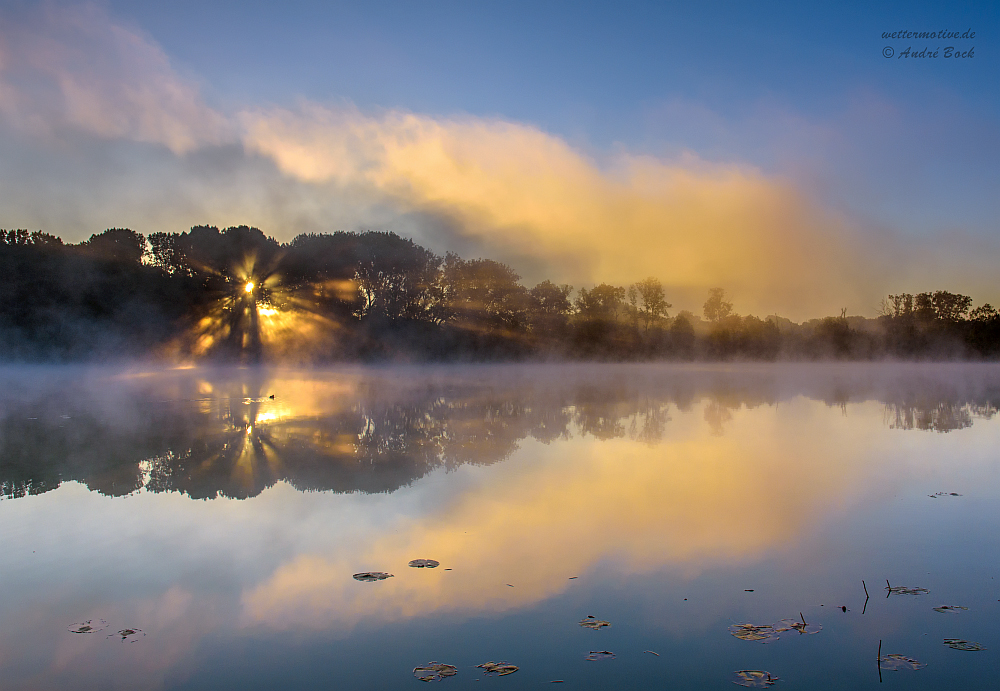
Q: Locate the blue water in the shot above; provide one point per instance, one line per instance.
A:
(223, 526)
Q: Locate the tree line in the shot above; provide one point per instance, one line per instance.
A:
(369, 296)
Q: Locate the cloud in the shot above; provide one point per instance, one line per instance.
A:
(95, 94)
(72, 68)
(520, 191)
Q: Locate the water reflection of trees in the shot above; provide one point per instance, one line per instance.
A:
(237, 441)
(942, 416)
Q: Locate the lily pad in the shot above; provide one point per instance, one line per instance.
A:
(591, 623)
(753, 632)
(434, 671)
(89, 626)
(368, 576)
(131, 635)
(950, 608)
(961, 644)
(903, 590)
(500, 669)
(425, 564)
(754, 678)
(895, 663)
(772, 632)
(600, 655)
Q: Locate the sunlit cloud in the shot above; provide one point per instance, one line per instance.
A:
(509, 185)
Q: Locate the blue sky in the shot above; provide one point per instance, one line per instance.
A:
(602, 74)
(797, 93)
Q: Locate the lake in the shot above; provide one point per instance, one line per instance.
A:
(201, 528)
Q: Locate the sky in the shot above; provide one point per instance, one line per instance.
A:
(767, 148)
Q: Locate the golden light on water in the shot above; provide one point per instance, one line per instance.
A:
(696, 500)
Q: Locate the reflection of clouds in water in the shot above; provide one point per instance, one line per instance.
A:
(619, 476)
(693, 501)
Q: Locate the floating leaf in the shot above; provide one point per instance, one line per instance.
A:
(771, 632)
(434, 671)
(129, 634)
(501, 669)
(753, 632)
(895, 663)
(591, 623)
(754, 678)
(425, 564)
(368, 576)
(950, 608)
(89, 626)
(903, 590)
(600, 655)
(786, 625)
(961, 644)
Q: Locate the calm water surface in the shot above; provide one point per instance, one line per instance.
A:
(223, 526)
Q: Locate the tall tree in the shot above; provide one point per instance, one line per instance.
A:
(118, 245)
(485, 293)
(604, 302)
(654, 306)
(717, 307)
(395, 278)
(950, 307)
(550, 306)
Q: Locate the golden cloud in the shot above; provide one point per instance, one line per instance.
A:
(522, 192)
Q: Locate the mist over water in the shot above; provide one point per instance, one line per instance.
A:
(222, 512)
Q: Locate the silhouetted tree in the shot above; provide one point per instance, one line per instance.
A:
(604, 302)
(396, 279)
(485, 294)
(717, 307)
(950, 307)
(376, 295)
(117, 245)
(653, 305)
(550, 305)
(682, 335)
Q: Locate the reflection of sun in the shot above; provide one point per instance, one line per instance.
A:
(249, 287)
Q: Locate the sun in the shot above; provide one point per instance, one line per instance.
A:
(249, 287)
